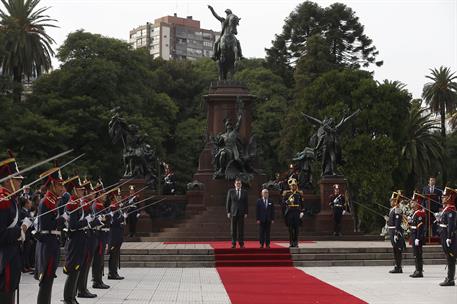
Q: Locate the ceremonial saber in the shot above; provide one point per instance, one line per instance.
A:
(41, 178)
(149, 205)
(369, 209)
(35, 165)
(105, 193)
(122, 200)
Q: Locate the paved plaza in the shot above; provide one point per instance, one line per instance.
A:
(203, 285)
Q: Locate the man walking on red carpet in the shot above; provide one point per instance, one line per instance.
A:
(265, 214)
(237, 211)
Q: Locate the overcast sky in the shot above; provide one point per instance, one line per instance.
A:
(412, 36)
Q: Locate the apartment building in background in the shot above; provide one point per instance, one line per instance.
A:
(173, 37)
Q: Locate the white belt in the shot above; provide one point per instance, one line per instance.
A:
(391, 227)
(104, 229)
(442, 225)
(413, 227)
(54, 232)
(73, 230)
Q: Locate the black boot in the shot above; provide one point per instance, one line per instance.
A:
(113, 263)
(97, 271)
(45, 291)
(447, 282)
(83, 292)
(396, 270)
(69, 287)
(418, 272)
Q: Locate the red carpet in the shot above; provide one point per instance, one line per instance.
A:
(248, 276)
(279, 285)
(247, 244)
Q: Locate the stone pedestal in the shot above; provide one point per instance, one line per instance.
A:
(221, 103)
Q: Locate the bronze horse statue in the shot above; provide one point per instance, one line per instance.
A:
(227, 50)
(230, 51)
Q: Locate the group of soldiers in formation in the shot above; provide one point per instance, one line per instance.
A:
(445, 221)
(91, 217)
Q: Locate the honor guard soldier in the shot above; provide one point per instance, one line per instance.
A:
(49, 228)
(74, 247)
(337, 201)
(101, 234)
(91, 241)
(448, 233)
(115, 236)
(396, 231)
(10, 231)
(132, 211)
(293, 206)
(417, 225)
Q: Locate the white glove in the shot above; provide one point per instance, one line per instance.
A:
(138, 215)
(101, 218)
(111, 214)
(245, 216)
(344, 212)
(125, 215)
(27, 223)
(416, 242)
(22, 237)
(228, 215)
(395, 238)
(89, 218)
(301, 214)
(448, 242)
(66, 216)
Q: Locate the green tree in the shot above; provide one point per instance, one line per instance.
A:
(336, 28)
(441, 96)
(421, 147)
(28, 46)
(73, 103)
(268, 112)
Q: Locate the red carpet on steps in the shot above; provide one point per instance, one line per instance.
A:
(279, 285)
(247, 279)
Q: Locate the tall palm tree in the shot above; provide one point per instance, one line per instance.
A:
(26, 43)
(441, 95)
(422, 147)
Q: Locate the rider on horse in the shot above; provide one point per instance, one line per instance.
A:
(225, 25)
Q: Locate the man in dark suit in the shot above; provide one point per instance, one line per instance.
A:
(265, 214)
(237, 211)
(433, 202)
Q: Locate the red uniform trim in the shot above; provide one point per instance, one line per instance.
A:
(86, 205)
(72, 204)
(114, 205)
(49, 270)
(4, 203)
(99, 205)
(50, 201)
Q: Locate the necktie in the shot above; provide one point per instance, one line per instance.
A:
(265, 202)
(238, 193)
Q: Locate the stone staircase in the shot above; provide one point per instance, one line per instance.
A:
(309, 255)
(380, 256)
(212, 224)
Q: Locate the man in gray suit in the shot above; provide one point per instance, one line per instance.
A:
(237, 211)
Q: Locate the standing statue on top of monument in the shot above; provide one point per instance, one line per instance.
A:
(231, 157)
(227, 49)
(328, 146)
